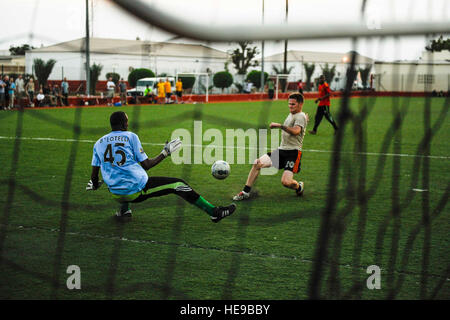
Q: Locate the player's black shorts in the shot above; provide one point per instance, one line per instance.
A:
(286, 159)
(168, 95)
(179, 93)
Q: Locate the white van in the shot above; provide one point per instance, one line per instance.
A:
(141, 85)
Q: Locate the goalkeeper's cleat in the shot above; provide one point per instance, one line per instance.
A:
(222, 212)
(241, 196)
(126, 214)
(301, 187)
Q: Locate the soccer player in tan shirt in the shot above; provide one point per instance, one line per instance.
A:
(288, 155)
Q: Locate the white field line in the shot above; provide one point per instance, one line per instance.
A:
(237, 147)
(190, 246)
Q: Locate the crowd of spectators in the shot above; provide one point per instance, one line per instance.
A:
(22, 92)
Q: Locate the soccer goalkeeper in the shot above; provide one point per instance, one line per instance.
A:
(123, 163)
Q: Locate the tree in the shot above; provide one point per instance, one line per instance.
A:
(242, 57)
(137, 74)
(42, 70)
(365, 75)
(329, 72)
(309, 70)
(223, 79)
(115, 76)
(96, 69)
(255, 77)
(19, 50)
(438, 45)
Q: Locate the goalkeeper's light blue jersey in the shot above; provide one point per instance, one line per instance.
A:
(118, 154)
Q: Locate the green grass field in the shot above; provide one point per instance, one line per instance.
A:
(267, 249)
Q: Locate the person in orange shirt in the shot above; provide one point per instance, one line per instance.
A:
(179, 90)
(323, 109)
(161, 91)
(168, 89)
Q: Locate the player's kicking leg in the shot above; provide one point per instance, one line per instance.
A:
(262, 162)
(287, 179)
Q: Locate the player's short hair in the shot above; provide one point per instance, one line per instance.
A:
(118, 120)
(297, 96)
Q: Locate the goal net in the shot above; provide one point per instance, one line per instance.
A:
(373, 220)
(198, 84)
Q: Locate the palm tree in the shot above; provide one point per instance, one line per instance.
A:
(329, 72)
(309, 70)
(96, 69)
(43, 69)
(365, 75)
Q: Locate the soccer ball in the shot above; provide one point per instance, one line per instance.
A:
(220, 169)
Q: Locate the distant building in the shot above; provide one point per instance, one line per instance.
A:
(12, 64)
(430, 72)
(297, 59)
(122, 56)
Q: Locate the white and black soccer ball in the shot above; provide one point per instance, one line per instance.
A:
(220, 169)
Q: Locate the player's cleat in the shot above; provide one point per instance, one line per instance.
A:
(312, 132)
(222, 212)
(241, 196)
(126, 214)
(299, 191)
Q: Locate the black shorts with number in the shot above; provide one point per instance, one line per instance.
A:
(286, 159)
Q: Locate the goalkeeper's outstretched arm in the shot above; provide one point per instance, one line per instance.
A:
(150, 163)
(168, 149)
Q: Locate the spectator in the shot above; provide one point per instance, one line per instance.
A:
(29, 88)
(123, 92)
(110, 87)
(179, 90)
(50, 98)
(20, 90)
(2, 93)
(248, 87)
(270, 88)
(168, 90)
(161, 92)
(12, 93)
(300, 86)
(65, 91)
(57, 95)
(148, 94)
(6, 81)
(40, 98)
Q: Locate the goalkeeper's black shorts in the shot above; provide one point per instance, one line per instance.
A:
(161, 186)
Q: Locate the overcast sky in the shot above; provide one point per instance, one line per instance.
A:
(46, 22)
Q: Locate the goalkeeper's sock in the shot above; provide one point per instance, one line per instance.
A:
(124, 207)
(247, 189)
(204, 205)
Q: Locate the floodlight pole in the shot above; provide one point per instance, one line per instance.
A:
(262, 53)
(286, 41)
(88, 63)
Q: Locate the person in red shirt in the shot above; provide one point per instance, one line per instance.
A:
(323, 109)
(300, 86)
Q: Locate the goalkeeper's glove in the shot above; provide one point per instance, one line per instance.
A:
(171, 147)
(90, 185)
